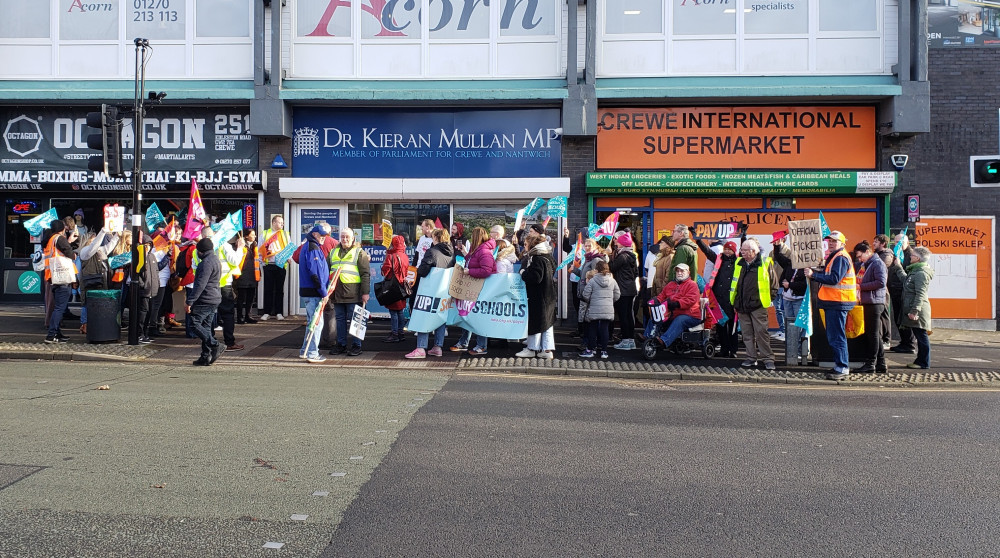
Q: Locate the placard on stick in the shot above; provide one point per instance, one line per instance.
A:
(805, 240)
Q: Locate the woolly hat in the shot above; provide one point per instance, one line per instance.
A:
(732, 246)
(623, 239)
(205, 245)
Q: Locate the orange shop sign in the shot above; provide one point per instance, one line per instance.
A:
(736, 138)
(964, 286)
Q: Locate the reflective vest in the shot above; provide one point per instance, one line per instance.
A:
(348, 265)
(256, 264)
(50, 251)
(274, 242)
(229, 271)
(846, 290)
(763, 282)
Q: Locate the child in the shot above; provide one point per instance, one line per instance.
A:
(599, 295)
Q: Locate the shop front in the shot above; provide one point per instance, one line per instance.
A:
(44, 158)
(360, 168)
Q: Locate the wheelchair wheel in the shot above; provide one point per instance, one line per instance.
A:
(708, 351)
(649, 348)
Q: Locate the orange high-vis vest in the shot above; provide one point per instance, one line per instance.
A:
(256, 264)
(844, 291)
(50, 251)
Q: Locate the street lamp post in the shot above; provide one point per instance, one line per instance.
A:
(141, 46)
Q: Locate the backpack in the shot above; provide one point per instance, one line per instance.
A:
(94, 274)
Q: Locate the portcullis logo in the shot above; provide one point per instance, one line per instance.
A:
(22, 136)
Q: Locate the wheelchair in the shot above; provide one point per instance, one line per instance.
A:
(697, 339)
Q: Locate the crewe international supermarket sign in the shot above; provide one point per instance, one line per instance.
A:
(736, 138)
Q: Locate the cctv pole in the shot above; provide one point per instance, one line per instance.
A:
(140, 85)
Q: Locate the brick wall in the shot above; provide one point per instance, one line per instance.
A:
(578, 158)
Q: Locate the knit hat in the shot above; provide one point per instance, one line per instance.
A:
(732, 246)
(623, 239)
(205, 245)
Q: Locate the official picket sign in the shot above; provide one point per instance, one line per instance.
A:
(805, 240)
(500, 310)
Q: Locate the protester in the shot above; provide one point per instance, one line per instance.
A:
(162, 270)
(352, 288)
(275, 239)
(81, 229)
(479, 264)
(880, 245)
(497, 232)
(148, 284)
(625, 269)
(597, 307)
(425, 242)
(872, 286)
(793, 289)
(917, 305)
(753, 287)
(837, 295)
(505, 258)
(683, 302)
(663, 265)
(246, 283)
(458, 240)
(648, 275)
(203, 300)
(94, 271)
(685, 250)
(440, 255)
(591, 256)
(328, 339)
(538, 273)
(897, 278)
(314, 275)
(58, 245)
(396, 264)
(724, 266)
(233, 253)
(778, 246)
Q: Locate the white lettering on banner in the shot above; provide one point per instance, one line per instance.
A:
(342, 138)
(187, 133)
(542, 139)
(400, 141)
(475, 141)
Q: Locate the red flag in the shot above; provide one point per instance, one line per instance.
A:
(609, 227)
(437, 223)
(196, 213)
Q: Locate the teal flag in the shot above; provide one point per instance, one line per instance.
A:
(804, 318)
(153, 217)
(38, 223)
(557, 207)
(534, 206)
(114, 262)
(285, 254)
(898, 249)
(823, 227)
(569, 259)
(592, 230)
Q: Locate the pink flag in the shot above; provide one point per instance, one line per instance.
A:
(609, 227)
(196, 213)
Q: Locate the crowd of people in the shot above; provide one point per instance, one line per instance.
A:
(215, 283)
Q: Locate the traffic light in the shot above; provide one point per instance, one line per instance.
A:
(109, 141)
(985, 170)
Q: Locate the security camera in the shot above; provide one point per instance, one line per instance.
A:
(899, 161)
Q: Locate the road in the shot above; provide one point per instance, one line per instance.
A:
(179, 461)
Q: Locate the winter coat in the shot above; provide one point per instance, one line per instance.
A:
(206, 288)
(480, 263)
(348, 293)
(396, 263)
(747, 292)
(663, 267)
(440, 255)
(686, 251)
(537, 271)
(314, 270)
(796, 279)
(600, 295)
(589, 262)
(897, 275)
(682, 298)
(247, 278)
(723, 282)
(915, 301)
(149, 274)
(506, 258)
(872, 283)
(625, 268)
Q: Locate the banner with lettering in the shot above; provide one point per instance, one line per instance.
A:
(500, 310)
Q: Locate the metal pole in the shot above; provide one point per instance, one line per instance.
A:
(140, 86)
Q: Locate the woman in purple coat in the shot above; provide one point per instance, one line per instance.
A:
(480, 264)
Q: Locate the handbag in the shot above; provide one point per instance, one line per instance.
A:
(390, 290)
(63, 270)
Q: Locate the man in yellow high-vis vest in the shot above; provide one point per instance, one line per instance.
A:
(272, 242)
(352, 288)
(754, 286)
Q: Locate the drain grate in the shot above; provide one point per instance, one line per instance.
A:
(9, 474)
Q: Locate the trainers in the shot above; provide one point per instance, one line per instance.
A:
(50, 340)
(458, 348)
(525, 353)
(250, 320)
(416, 353)
(604, 354)
(62, 339)
(216, 351)
(318, 359)
(768, 365)
(145, 340)
(201, 362)
(279, 317)
(265, 317)
(626, 345)
(302, 355)
(338, 350)
(587, 354)
(218, 328)
(748, 363)
(478, 351)
(547, 355)
(780, 336)
(434, 351)
(354, 351)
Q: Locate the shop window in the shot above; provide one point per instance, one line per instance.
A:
(522, 19)
(18, 243)
(94, 24)
(156, 19)
(487, 215)
(321, 18)
(692, 18)
(453, 22)
(792, 16)
(24, 20)
(848, 15)
(366, 220)
(633, 16)
(222, 18)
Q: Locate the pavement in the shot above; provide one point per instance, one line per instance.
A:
(958, 357)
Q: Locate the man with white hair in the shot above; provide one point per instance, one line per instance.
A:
(754, 286)
(897, 277)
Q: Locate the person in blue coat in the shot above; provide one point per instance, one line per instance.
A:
(314, 277)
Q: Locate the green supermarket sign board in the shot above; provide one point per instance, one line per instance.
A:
(728, 183)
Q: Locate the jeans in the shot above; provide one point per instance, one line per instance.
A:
(597, 335)
(396, 319)
(344, 311)
(201, 316)
(60, 300)
(923, 348)
(796, 343)
(153, 319)
(836, 336)
(779, 313)
(481, 341)
(422, 338)
(543, 341)
(310, 344)
(676, 326)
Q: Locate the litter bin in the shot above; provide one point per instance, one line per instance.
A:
(102, 316)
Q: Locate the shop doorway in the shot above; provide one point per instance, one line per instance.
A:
(303, 218)
(637, 222)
